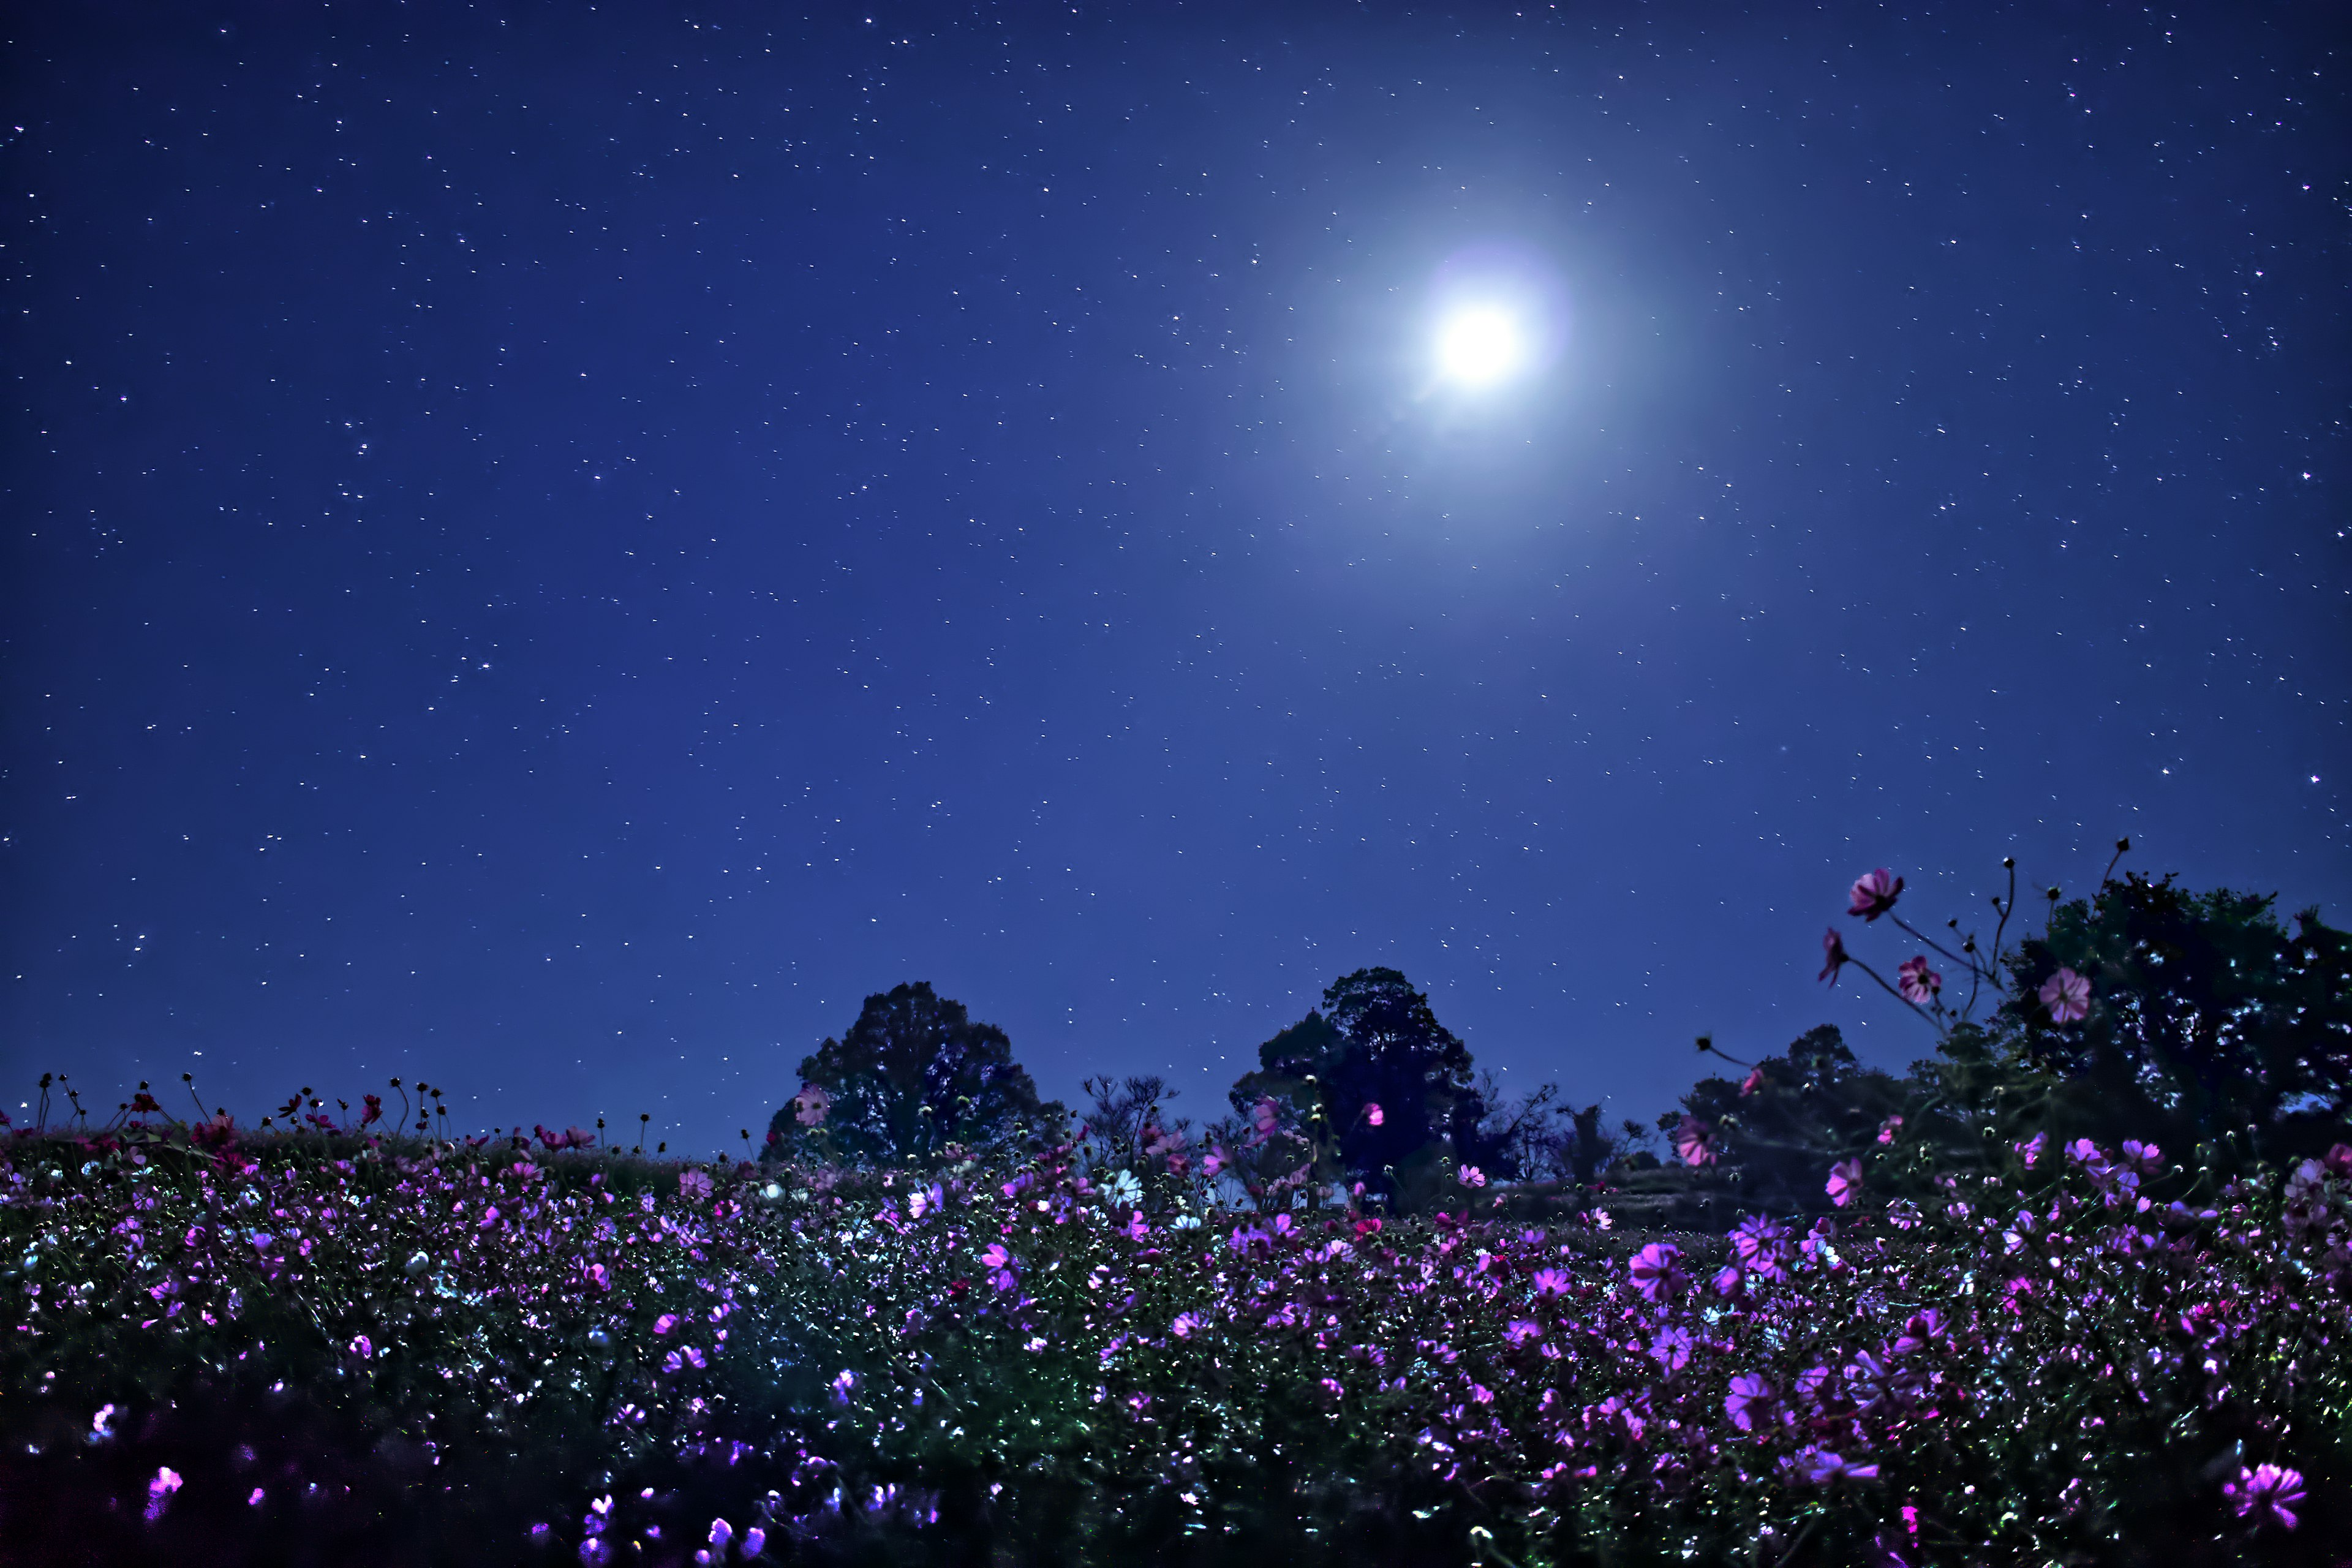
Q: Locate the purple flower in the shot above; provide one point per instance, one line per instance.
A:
(1694, 1141)
(666, 1322)
(693, 1186)
(1551, 1282)
(1656, 1270)
(721, 1532)
(1245, 1238)
(1824, 1468)
(844, 1386)
(361, 1348)
(2067, 996)
(1845, 1181)
(1874, 893)
(1762, 1245)
(1375, 1115)
(755, 1541)
(1833, 950)
(995, 1257)
(2267, 1492)
(1670, 1349)
(2031, 1150)
(1471, 1176)
(1749, 1398)
(1918, 982)
(1185, 1325)
(167, 1481)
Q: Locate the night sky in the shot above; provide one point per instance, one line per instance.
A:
(555, 550)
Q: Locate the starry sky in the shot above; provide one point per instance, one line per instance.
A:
(553, 549)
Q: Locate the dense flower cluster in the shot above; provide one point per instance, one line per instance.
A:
(2029, 1367)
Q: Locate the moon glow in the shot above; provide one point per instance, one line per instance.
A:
(1479, 345)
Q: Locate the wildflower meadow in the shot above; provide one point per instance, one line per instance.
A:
(1946, 1318)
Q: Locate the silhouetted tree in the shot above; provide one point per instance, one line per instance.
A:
(913, 1075)
(1374, 1043)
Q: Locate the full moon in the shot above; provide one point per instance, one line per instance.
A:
(1479, 346)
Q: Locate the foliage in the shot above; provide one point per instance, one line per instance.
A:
(2042, 1364)
(914, 1079)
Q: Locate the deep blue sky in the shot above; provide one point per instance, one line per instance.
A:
(553, 551)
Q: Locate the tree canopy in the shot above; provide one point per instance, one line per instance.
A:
(913, 1075)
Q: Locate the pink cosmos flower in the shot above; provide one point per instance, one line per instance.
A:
(1889, 1127)
(1670, 1349)
(1874, 893)
(1833, 950)
(1694, 1141)
(1752, 1082)
(1375, 1115)
(1918, 982)
(361, 1348)
(1216, 1159)
(1656, 1270)
(2142, 1156)
(810, 1105)
(2067, 996)
(995, 1257)
(2270, 1493)
(1845, 1181)
(2031, 1150)
(666, 1322)
(167, 1481)
(1751, 1396)
(1183, 1326)
(1551, 1282)
(1266, 1117)
(1471, 1176)
(1135, 1229)
(694, 1186)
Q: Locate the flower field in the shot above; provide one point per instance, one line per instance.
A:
(329, 1346)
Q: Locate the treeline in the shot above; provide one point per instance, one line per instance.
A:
(2198, 1021)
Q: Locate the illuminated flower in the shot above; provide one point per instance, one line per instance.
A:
(1471, 1176)
(1889, 1128)
(1833, 951)
(1874, 893)
(1656, 1270)
(1375, 1115)
(694, 1186)
(2270, 1493)
(1845, 1181)
(1918, 982)
(1551, 1282)
(1694, 1141)
(1752, 1082)
(2067, 996)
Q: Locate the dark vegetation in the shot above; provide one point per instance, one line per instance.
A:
(2072, 1288)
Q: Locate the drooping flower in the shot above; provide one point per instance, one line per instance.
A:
(1874, 893)
(1824, 1468)
(1695, 1142)
(1833, 951)
(2067, 996)
(1656, 1270)
(1845, 1181)
(2269, 1493)
(2031, 1149)
(1918, 982)
(1752, 1082)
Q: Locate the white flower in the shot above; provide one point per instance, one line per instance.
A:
(1123, 1190)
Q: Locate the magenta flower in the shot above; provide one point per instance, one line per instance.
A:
(1845, 1181)
(2270, 1493)
(1670, 1349)
(2031, 1150)
(1551, 1282)
(1874, 893)
(810, 1105)
(1749, 1398)
(666, 1322)
(2141, 1156)
(1184, 1324)
(1833, 950)
(693, 1186)
(1752, 1082)
(1656, 1270)
(844, 1386)
(2067, 996)
(1889, 1127)
(1918, 982)
(995, 1257)
(1694, 1141)
(167, 1481)
(1471, 1176)
(361, 1348)
(1375, 1115)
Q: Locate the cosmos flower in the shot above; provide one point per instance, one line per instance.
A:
(1656, 1270)
(1751, 1396)
(1874, 893)
(1824, 1468)
(1695, 1142)
(1845, 1181)
(694, 1186)
(1918, 982)
(1833, 951)
(2067, 996)
(1123, 1190)
(1888, 1129)
(1670, 1349)
(810, 1105)
(1375, 1115)
(1550, 1282)
(2268, 1493)
(1752, 1082)
(1471, 1176)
